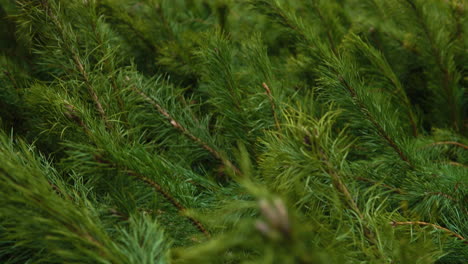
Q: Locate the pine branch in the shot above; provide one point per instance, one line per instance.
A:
(380, 62)
(457, 164)
(340, 186)
(396, 223)
(273, 106)
(73, 116)
(186, 132)
(128, 148)
(400, 191)
(159, 189)
(92, 92)
(374, 122)
(171, 199)
(447, 143)
(75, 56)
(42, 222)
(447, 75)
(443, 195)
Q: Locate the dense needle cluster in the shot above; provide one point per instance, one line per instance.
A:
(233, 131)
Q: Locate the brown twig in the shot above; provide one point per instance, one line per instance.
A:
(447, 143)
(91, 91)
(399, 191)
(79, 66)
(380, 130)
(170, 198)
(159, 189)
(340, 186)
(443, 195)
(185, 132)
(116, 213)
(457, 164)
(273, 106)
(72, 115)
(395, 223)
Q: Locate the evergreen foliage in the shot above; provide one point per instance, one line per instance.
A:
(225, 131)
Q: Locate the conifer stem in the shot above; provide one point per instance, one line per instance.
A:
(187, 133)
(169, 198)
(395, 223)
(340, 186)
(79, 66)
(457, 164)
(273, 106)
(448, 143)
(160, 190)
(91, 91)
(443, 195)
(72, 115)
(374, 122)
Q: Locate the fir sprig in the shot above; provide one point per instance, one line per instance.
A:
(186, 131)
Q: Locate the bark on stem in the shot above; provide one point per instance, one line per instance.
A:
(71, 113)
(187, 133)
(273, 106)
(170, 198)
(395, 223)
(447, 143)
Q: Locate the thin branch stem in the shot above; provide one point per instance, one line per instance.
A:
(91, 91)
(72, 115)
(340, 186)
(447, 143)
(395, 223)
(457, 164)
(380, 130)
(443, 195)
(170, 198)
(79, 66)
(273, 106)
(186, 132)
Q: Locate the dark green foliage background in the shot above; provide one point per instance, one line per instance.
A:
(233, 131)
